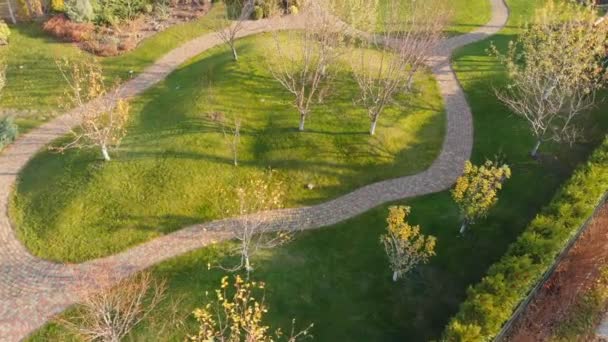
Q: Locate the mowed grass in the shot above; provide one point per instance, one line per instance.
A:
(36, 88)
(467, 15)
(35, 83)
(174, 162)
(337, 277)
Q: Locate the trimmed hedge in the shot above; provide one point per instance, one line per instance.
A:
(491, 302)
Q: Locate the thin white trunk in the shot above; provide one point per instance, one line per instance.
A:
(104, 152)
(372, 129)
(235, 55)
(10, 11)
(248, 267)
(302, 121)
(395, 276)
(535, 150)
(463, 227)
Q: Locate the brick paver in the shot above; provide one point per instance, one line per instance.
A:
(32, 290)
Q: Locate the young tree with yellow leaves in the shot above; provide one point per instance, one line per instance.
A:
(238, 315)
(476, 191)
(404, 244)
(101, 114)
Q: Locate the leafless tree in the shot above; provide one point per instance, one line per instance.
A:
(108, 311)
(252, 203)
(102, 115)
(228, 30)
(555, 69)
(386, 65)
(231, 133)
(302, 60)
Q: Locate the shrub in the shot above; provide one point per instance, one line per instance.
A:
(233, 8)
(58, 5)
(5, 33)
(491, 303)
(258, 13)
(29, 8)
(8, 131)
(111, 12)
(103, 45)
(63, 28)
(80, 11)
(294, 9)
(270, 7)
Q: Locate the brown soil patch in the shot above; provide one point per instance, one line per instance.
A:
(575, 274)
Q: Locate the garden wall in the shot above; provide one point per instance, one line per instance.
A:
(510, 281)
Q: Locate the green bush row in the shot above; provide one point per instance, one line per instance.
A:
(491, 302)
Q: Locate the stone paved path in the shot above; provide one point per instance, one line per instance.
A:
(33, 290)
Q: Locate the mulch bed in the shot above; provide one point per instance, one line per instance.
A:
(575, 274)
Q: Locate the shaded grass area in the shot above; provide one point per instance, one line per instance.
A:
(34, 81)
(174, 161)
(337, 277)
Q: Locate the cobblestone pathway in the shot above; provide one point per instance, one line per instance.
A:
(33, 290)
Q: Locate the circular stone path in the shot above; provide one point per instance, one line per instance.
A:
(33, 290)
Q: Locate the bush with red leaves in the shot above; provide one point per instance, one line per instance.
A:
(63, 28)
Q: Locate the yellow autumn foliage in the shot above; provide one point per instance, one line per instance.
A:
(476, 191)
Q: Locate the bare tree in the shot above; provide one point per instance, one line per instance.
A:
(554, 70)
(303, 59)
(108, 311)
(228, 30)
(231, 133)
(102, 115)
(252, 202)
(409, 33)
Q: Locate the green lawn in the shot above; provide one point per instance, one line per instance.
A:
(467, 15)
(34, 82)
(167, 174)
(337, 277)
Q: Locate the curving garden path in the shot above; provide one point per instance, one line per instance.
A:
(33, 290)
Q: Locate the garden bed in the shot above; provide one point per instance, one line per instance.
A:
(113, 40)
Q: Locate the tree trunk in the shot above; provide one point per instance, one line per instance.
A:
(235, 55)
(104, 152)
(248, 267)
(395, 276)
(535, 150)
(10, 12)
(236, 162)
(463, 227)
(372, 129)
(302, 121)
